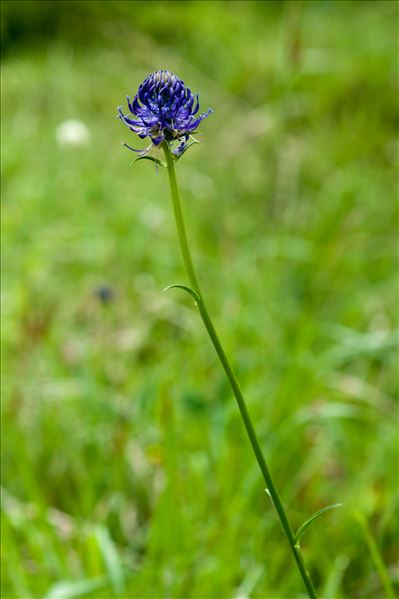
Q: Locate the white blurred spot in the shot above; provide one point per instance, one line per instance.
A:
(72, 133)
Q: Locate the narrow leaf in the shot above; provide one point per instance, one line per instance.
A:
(112, 561)
(156, 160)
(308, 522)
(193, 293)
(67, 589)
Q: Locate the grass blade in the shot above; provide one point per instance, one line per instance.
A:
(112, 560)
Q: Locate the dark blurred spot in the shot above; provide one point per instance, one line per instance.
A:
(105, 294)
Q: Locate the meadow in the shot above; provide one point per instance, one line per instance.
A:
(126, 471)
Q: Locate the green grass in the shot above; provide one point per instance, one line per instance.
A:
(126, 469)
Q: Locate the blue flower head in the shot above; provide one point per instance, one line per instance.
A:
(164, 109)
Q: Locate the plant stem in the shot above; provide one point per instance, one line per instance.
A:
(181, 230)
(376, 557)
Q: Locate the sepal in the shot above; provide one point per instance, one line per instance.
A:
(156, 160)
(192, 143)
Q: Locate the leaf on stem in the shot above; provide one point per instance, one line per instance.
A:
(189, 290)
(269, 494)
(308, 522)
(156, 160)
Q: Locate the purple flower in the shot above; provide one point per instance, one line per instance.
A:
(164, 109)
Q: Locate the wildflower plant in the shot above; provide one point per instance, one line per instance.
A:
(166, 111)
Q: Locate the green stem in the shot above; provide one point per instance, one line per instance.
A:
(376, 557)
(181, 230)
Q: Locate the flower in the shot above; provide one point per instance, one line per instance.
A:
(164, 110)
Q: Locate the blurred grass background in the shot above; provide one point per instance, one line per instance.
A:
(126, 470)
